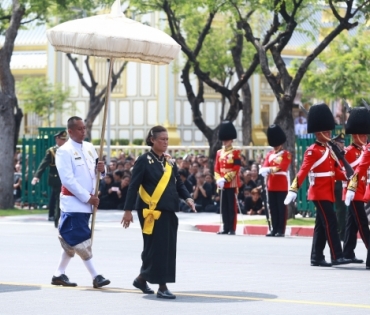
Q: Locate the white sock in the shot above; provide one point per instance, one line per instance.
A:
(90, 266)
(63, 263)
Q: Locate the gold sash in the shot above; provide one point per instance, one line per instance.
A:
(151, 214)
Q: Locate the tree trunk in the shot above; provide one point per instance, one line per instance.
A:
(94, 109)
(7, 127)
(285, 120)
(18, 120)
(10, 114)
(214, 146)
(247, 114)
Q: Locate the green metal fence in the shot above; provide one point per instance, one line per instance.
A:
(302, 143)
(33, 151)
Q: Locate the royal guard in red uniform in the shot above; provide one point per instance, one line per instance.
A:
(358, 125)
(356, 186)
(227, 165)
(323, 168)
(275, 167)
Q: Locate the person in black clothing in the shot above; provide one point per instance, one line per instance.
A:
(108, 193)
(154, 191)
(187, 183)
(210, 180)
(117, 176)
(17, 184)
(253, 204)
(122, 193)
(183, 207)
(193, 171)
(246, 182)
(202, 193)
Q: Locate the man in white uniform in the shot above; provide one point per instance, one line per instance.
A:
(77, 162)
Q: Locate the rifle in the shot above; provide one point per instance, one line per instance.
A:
(367, 106)
(265, 202)
(338, 153)
(348, 108)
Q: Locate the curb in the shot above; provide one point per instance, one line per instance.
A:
(260, 230)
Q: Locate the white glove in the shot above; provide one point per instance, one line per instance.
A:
(264, 171)
(291, 197)
(349, 197)
(221, 182)
(35, 180)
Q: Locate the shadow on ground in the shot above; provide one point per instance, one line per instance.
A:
(215, 297)
(5, 288)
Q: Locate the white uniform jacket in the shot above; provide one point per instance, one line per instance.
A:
(76, 164)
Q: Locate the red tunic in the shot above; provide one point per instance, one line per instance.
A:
(361, 174)
(352, 155)
(227, 166)
(279, 164)
(323, 188)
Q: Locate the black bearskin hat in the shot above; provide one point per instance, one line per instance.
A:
(227, 131)
(275, 135)
(358, 122)
(320, 118)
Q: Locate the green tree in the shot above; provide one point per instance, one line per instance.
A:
(13, 16)
(96, 97)
(288, 18)
(42, 98)
(214, 49)
(342, 70)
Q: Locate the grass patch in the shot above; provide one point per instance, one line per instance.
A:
(299, 221)
(11, 212)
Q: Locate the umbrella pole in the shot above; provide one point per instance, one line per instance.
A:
(106, 105)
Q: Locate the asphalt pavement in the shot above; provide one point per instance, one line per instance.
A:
(216, 274)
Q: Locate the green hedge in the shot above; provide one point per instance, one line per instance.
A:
(112, 142)
(138, 141)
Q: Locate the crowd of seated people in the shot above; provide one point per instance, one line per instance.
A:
(113, 187)
(199, 181)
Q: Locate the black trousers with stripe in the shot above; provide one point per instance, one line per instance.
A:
(228, 209)
(325, 231)
(356, 221)
(278, 211)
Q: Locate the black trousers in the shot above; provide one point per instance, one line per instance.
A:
(228, 209)
(278, 211)
(54, 205)
(340, 210)
(356, 222)
(159, 253)
(325, 230)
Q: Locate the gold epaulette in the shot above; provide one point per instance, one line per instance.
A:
(294, 185)
(353, 183)
(229, 176)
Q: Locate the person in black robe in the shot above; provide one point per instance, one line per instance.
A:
(154, 190)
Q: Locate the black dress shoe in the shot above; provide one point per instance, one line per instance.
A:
(100, 281)
(367, 267)
(166, 294)
(279, 235)
(63, 280)
(271, 234)
(232, 233)
(355, 260)
(321, 263)
(222, 232)
(341, 261)
(143, 287)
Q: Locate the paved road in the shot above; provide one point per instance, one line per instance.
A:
(216, 274)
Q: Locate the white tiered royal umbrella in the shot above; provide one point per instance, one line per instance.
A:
(113, 36)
